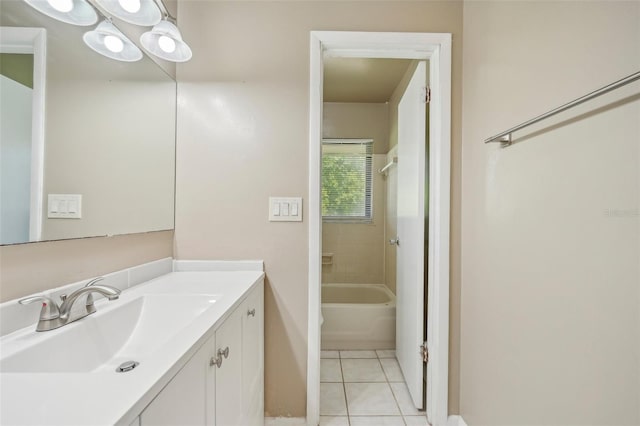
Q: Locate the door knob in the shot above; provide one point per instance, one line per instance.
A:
(394, 241)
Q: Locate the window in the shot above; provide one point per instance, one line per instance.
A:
(346, 179)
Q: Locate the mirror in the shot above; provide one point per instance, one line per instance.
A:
(106, 152)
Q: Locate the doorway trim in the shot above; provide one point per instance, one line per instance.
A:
(33, 41)
(435, 47)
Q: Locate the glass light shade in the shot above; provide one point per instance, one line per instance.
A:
(156, 42)
(138, 12)
(75, 12)
(108, 41)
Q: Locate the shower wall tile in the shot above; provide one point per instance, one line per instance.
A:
(358, 248)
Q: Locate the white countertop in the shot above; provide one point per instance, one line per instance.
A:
(106, 397)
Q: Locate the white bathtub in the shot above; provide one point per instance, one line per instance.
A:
(358, 316)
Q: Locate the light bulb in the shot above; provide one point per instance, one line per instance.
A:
(61, 5)
(131, 6)
(113, 43)
(167, 44)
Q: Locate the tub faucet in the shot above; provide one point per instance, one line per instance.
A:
(53, 316)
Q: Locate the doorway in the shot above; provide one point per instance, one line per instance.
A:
(24, 146)
(436, 48)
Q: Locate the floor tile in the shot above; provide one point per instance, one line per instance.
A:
(416, 421)
(370, 399)
(392, 369)
(329, 354)
(401, 393)
(376, 421)
(332, 400)
(362, 370)
(334, 421)
(386, 353)
(358, 354)
(330, 370)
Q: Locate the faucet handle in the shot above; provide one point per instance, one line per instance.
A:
(89, 301)
(49, 309)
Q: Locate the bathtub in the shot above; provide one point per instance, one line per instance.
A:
(358, 316)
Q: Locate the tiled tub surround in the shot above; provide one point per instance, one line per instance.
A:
(365, 387)
(79, 398)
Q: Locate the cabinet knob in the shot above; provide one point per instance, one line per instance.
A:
(251, 313)
(215, 361)
(224, 352)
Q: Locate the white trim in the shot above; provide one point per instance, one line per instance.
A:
(439, 206)
(284, 421)
(217, 265)
(436, 48)
(314, 216)
(33, 40)
(456, 421)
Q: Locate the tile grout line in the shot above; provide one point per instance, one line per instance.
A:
(344, 389)
(393, 393)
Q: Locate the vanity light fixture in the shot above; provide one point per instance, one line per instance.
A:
(165, 41)
(108, 41)
(75, 12)
(138, 12)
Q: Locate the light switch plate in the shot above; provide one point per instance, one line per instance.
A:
(64, 206)
(285, 209)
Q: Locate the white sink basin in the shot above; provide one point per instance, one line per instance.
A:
(132, 330)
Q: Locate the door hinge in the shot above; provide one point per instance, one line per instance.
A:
(424, 351)
(427, 94)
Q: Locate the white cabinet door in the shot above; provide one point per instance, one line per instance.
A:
(228, 380)
(253, 357)
(182, 401)
(231, 394)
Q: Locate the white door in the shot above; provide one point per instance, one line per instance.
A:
(411, 229)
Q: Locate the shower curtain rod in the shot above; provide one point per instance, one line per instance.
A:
(391, 163)
(505, 137)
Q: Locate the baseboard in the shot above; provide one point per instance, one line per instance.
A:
(301, 421)
(456, 421)
(285, 421)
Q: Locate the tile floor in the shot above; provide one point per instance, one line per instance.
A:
(359, 388)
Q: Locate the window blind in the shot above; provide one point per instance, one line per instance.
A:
(347, 179)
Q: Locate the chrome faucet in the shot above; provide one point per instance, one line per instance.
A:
(53, 316)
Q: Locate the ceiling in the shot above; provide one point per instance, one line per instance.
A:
(362, 79)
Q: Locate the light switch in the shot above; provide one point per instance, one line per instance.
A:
(64, 206)
(289, 209)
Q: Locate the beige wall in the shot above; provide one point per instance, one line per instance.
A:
(243, 136)
(34, 267)
(551, 294)
(357, 248)
(357, 120)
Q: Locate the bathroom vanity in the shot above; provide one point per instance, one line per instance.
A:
(198, 339)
